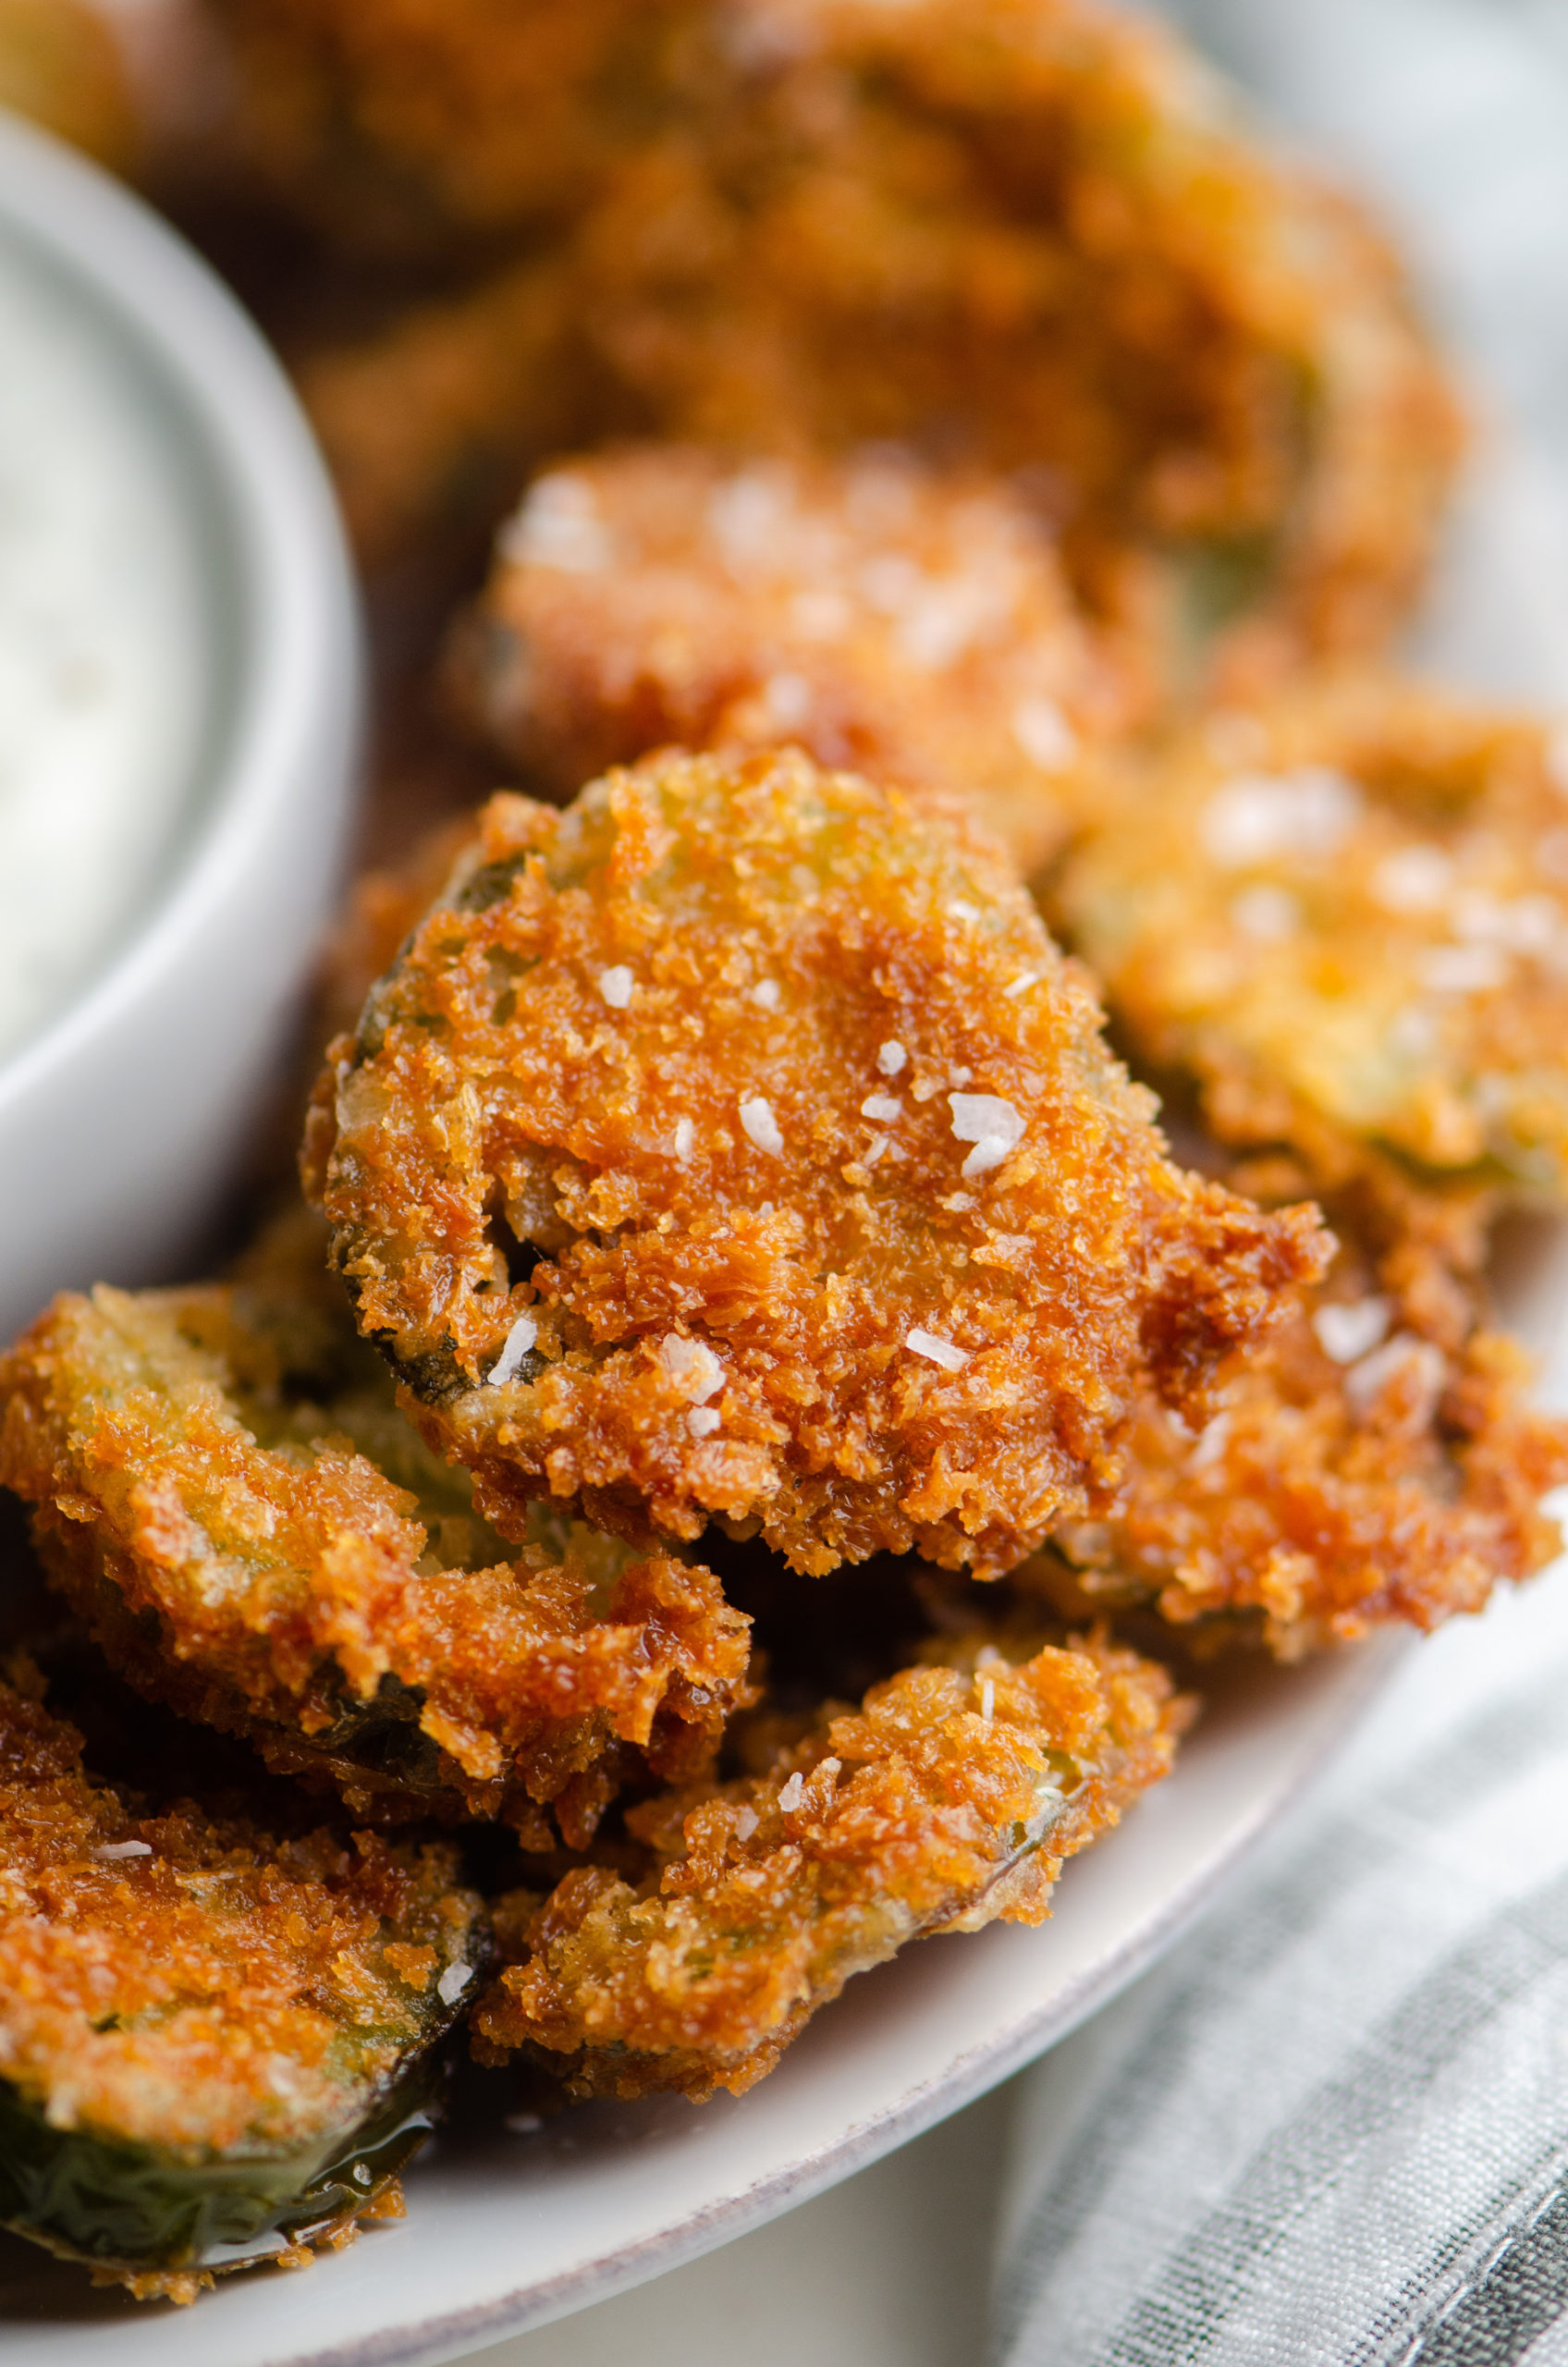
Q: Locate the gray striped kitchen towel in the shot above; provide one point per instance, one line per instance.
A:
(1333, 2125)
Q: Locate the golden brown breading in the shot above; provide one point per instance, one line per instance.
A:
(952, 1796)
(228, 1465)
(901, 621)
(1377, 1460)
(1343, 917)
(1025, 231)
(206, 2037)
(59, 64)
(410, 126)
(737, 1145)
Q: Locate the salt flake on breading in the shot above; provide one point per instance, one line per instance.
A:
(1346, 1332)
(1044, 733)
(1271, 818)
(559, 526)
(993, 1126)
(508, 1364)
(950, 1357)
(761, 1125)
(692, 1366)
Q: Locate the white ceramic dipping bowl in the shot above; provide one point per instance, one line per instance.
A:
(125, 1108)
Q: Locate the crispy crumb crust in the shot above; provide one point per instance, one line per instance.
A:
(952, 1796)
(896, 620)
(197, 1998)
(406, 127)
(198, 1496)
(1032, 227)
(1377, 1460)
(689, 1082)
(60, 64)
(1344, 916)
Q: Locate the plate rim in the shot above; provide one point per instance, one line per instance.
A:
(1367, 1668)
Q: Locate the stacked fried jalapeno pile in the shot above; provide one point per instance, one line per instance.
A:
(746, 1456)
(731, 1154)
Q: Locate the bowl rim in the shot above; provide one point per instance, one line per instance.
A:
(295, 580)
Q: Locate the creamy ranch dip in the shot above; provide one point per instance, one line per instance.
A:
(107, 641)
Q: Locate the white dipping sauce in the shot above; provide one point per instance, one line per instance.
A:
(105, 642)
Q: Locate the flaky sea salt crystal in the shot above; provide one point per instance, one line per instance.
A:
(1413, 879)
(762, 1126)
(764, 994)
(882, 1107)
(788, 700)
(891, 1057)
(1268, 818)
(1265, 912)
(453, 1981)
(1044, 733)
(1349, 1330)
(685, 1138)
(793, 1792)
(937, 1352)
(616, 986)
(703, 1420)
(692, 1366)
(519, 1339)
(113, 1852)
(993, 1126)
(1463, 969)
(558, 526)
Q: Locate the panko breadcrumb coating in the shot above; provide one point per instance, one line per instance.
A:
(223, 1491)
(410, 126)
(60, 64)
(951, 1798)
(1030, 233)
(1343, 917)
(737, 1145)
(1355, 1470)
(911, 624)
(214, 2047)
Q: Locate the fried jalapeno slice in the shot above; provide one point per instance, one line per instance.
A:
(215, 2048)
(1343, 917)
(908, 623)
(413, 127)
(951, 1798)
(1028, 231)
(224, 1490)
(1354, 1471)
(738, 1145)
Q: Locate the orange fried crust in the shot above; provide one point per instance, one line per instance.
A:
(199, 1989)
(951, 1798)
(908, 624)
(60, 64)
(1027, 230)
(1344, 916)
(737, 1145)
(1377, 1460)
(191, 1459)
(410, 126)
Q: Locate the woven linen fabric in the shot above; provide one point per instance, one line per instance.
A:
(1333, 2125)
